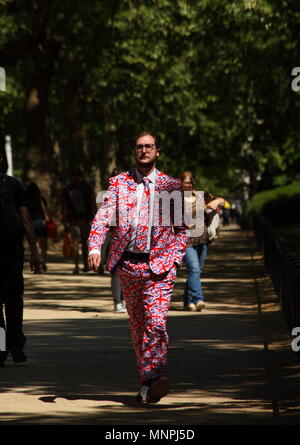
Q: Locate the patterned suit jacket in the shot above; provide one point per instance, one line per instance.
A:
(168, 241)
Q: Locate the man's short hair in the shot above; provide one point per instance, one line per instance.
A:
(147, 133)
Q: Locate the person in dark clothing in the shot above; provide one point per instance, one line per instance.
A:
(39, 213)
(78, 210)
(11, 267)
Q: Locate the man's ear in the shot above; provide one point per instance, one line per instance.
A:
(157, 154)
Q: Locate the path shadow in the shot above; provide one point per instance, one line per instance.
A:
(218, 364)
(216, 357)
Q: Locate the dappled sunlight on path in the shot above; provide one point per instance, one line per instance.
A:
(230, 364)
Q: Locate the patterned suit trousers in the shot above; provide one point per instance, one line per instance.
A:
(147, 297)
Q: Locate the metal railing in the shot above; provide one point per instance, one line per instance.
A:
(283, 264)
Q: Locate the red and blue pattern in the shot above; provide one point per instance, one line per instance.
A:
(147, 299)
(143, 220)
(146, 287)
(168, 242)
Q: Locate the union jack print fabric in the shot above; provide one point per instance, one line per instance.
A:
(146, 286)
(144, 216)
(168, 241)
(147, 299)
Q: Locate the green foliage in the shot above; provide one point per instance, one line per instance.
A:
(212, 78)
(280, 206)
(291, 234)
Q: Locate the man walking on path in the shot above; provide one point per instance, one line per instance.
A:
(145, 253)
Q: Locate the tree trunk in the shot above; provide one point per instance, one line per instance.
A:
(39, 160)
(110, 143)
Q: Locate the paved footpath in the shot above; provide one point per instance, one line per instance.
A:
(230, 364)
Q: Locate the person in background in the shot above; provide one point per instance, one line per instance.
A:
(39, 213)
(197, 247)
(15, 221)
(119, 303)
(78, 210)
(226, 213)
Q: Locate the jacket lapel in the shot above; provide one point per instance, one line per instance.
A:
(131, 197)
(158, 181)
(157, 214)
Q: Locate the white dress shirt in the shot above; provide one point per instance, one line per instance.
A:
(140, 190)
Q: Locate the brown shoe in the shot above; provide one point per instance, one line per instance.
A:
(18, 355)
(158, 389)
(191, 307)
(200, 305)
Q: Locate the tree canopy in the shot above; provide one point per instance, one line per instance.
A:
(211, 78)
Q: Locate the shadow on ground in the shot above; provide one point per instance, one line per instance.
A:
(219, 363)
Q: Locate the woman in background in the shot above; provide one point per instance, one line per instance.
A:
(197, 247)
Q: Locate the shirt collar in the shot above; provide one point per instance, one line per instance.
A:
(151, 177)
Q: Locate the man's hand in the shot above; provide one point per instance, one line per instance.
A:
(35, 263)
(94, 261)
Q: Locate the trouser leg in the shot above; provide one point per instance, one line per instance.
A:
(3, 349)
(2, 334)
(192, 291)
(2, 320)
(135, 310)
(116, 289)
(84, 232)
(147, 298)
(202, 253)
(15, 337)
(12, 303)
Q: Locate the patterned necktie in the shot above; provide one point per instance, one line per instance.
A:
(144, 216)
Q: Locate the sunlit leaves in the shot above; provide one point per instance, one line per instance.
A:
(206, 75)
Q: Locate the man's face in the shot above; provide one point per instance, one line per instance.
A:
(187, 184)
(146, 151)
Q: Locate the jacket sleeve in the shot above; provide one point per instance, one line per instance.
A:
(104, 218)
(180, 228)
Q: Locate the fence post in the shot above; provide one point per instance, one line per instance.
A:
(283, 265)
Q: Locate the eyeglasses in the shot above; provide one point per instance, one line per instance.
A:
(148, 147)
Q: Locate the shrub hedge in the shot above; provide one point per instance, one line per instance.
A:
(279, 206)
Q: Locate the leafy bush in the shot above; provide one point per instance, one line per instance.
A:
(279, 206)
